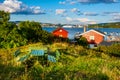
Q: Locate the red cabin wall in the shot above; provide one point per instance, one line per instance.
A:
(63, 33)
(97, 37)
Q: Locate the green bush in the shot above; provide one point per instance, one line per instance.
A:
(82, 41)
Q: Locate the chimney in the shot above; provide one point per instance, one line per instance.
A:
(85, 28)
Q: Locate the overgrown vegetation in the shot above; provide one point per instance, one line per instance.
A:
(113, 50)
(75, 63)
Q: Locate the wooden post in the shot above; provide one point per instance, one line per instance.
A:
(85, 28)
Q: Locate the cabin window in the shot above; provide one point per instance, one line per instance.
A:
(60, 35)
(92, 38)
(60, 30)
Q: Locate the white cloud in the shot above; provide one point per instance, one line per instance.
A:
(111, 13)
(62, 2)
(116, 17)
(80, 20)
(74, 10)
(73, 2)
(90, 14)
(83, 20)
(69, 19)
(60, 11)
(36, 9)
(115, 14)
(92, 22)
(17, 7)
(11, 5)
(97, 1)
(90, 1)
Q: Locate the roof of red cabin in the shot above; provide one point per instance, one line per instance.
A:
(59, 29)
(99, 32)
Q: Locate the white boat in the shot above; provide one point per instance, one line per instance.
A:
(67, 26)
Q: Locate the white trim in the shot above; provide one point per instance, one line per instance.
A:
(94, 31)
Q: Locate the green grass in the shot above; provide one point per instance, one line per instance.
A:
(75, 63)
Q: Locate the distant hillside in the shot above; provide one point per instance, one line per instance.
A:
(106, 25)
(101, 25)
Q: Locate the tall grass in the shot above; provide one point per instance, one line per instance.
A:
(75, 63)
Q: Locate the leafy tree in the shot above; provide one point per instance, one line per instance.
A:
(30, 30)
(10, 37)
(46, 37)
(33, 32)
(4, 17)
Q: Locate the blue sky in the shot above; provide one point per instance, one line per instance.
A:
(63, 11)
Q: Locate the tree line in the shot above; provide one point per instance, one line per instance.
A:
(105, 25)
(12, 35)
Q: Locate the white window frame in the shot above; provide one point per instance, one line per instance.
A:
(92, 37)
(60, 30)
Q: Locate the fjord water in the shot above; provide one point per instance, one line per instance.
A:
(73, 31)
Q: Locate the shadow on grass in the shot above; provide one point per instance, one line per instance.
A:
(9, 72)
(16, 73)
(75, 75)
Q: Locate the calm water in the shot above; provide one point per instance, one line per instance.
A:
(72, 31)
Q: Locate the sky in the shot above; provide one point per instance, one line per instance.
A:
(63, 11)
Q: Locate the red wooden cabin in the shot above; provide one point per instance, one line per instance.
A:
(60, 32)
(93, 36)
